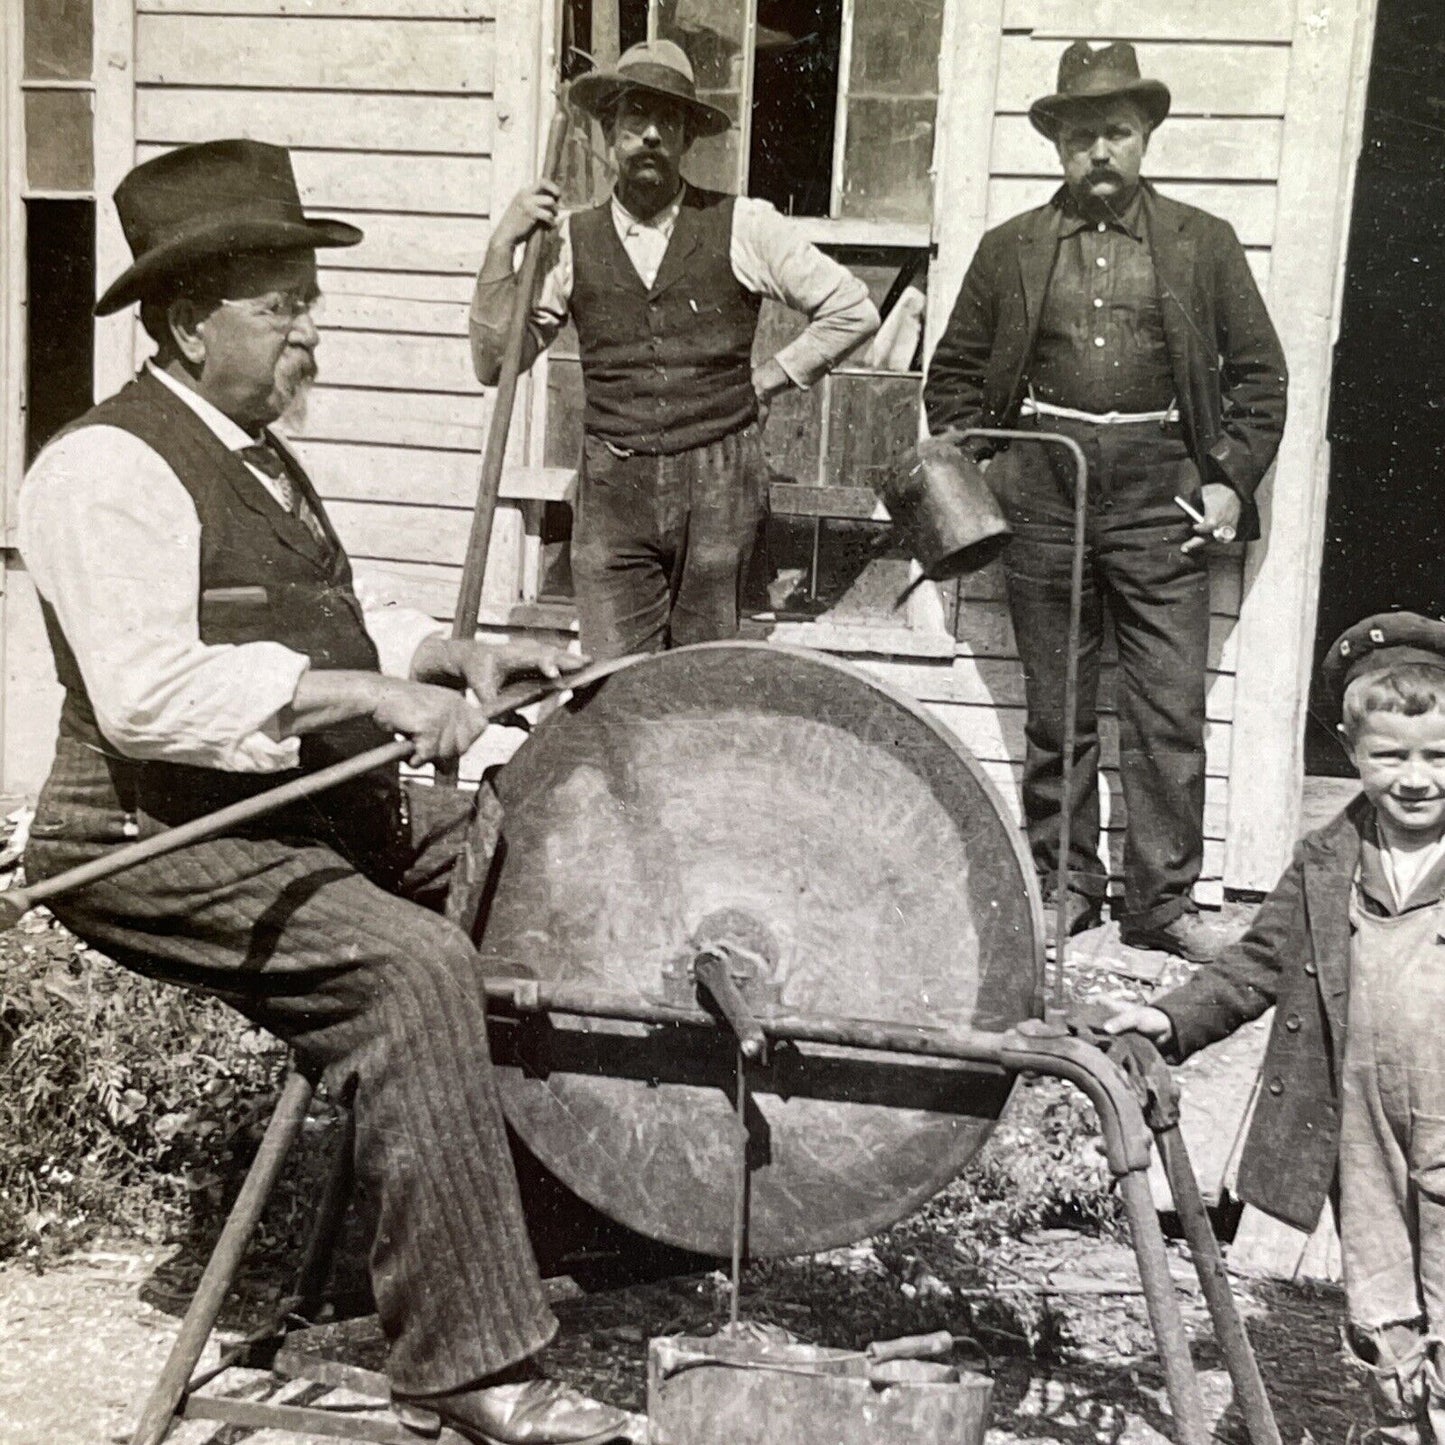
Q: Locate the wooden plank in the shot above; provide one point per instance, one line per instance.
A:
(1189, 149)
(1203, 79)
(401, 362)
(448, 244)
(861, 639)
(114, 142)
(352, 472)
(423, 304)
(432, 588)
(968, 74)
(1129, 20)
(418, 124)
(355, 9)
(431, 420)
(417, 185)
(1328, 76)
(1248, 206)
(433, 534)
(291, 52)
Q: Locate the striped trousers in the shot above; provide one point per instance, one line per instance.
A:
(376, 993)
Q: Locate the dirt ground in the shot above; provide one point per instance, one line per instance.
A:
(1057, 1313)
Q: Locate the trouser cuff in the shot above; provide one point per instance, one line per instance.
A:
(1160, 915)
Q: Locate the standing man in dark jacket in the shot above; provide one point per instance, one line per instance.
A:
(1131, 323)
(664, 282)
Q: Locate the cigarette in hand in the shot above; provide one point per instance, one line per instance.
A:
(1193, 513)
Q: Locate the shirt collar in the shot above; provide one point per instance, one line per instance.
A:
(1374, 880)
(1131, 221)
(663, 221)
(231, 436)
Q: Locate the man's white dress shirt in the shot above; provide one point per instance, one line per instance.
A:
(769, 256)
(113, 543)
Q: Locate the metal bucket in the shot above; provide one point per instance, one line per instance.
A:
(942, 505)
(727, 1390)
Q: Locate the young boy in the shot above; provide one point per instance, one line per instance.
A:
(1350, 949)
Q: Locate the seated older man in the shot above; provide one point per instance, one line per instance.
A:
(211, 643)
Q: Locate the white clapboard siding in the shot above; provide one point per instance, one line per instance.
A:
(374, 9)
(444, 56)
(1214, 79)
(415, 477)
(431, 420)
(407, 534)
(393, 242)
(411, 124)
(1158, 20)
(1248, 206)
(419, 186)
(400, 360)
(424, 304)
(1188, 148)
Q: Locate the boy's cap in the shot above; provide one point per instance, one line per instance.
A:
(1378, 643)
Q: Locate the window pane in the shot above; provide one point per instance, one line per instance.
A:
(58, 150)
(711, 34)
(57, 39)
(60, 284)
(895, 47)
(886, 160)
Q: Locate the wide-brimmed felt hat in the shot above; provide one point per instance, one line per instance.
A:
(1088, 76)
(659, 67)
(200, 203)
(1378, 644)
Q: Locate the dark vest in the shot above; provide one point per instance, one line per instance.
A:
(668, 369)
(263, 577)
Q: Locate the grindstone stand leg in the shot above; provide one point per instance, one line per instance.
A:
(1048, 1049)
(225, 1260)
(1229, 1329)
(315, 1271)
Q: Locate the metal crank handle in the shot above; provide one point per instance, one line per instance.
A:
(16, 902)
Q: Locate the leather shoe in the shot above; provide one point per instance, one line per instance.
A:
(1195, 937)
(535, 1411)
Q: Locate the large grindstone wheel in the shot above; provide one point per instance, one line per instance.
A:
(850, 857)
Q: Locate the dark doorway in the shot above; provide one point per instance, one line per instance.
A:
(60, 290)
(1384, 525)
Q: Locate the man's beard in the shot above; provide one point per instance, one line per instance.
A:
(295, 374)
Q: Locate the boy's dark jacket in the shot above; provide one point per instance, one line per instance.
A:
(1296, 956)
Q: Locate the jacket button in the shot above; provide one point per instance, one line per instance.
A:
(1292, 1023)
(1276, 1085)
(1311, 969)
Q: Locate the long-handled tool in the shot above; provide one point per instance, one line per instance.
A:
(469, 596)
(16, 902)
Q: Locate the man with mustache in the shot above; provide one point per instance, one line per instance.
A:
(663, 282)
(1131, 323)
(211, 644)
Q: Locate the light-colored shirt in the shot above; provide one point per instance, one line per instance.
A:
(769, 257)
(113, 543)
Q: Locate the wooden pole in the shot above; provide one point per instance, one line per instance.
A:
(469, 599)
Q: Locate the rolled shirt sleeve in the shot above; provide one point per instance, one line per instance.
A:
(395, 631)
(772, 258)
(112, 541)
